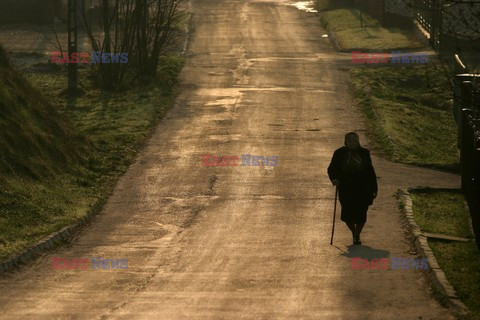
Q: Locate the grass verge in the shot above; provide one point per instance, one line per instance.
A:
(409, 112)
(346, 25)
(115, 125)
(444, 211)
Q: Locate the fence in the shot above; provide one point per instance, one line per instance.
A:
(451, 27)
(428, 14)
(467, 115)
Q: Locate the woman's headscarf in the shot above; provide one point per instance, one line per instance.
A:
(352, 133)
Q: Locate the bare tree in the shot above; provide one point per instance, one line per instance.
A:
(155, 21)
(143, 29)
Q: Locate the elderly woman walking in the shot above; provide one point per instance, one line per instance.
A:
(352, 172)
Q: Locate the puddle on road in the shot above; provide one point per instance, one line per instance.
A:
(307, 6)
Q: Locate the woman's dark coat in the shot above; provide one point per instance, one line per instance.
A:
(354, 189)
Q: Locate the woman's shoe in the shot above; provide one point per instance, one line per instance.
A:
(356, 240)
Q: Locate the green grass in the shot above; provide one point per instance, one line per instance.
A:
(443, 211)
(67, 172)
(461, 263)
(409, 112)
(30, 210)
(35, 140)
(346, 25)
(344, 19)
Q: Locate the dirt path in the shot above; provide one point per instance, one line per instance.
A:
(239, 242)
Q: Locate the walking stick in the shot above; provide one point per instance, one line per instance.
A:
(334, 211)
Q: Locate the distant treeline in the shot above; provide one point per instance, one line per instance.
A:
(29, 11)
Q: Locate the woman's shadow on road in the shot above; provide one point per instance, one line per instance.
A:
(364, 252)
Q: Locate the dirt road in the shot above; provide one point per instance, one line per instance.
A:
(239, 242)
